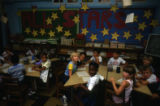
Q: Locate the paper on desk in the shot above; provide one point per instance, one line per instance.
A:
(82, 68)
(120, 80)
(30, 69)
(130, 18)
(5, 70)
(85, 79)
(82, 74)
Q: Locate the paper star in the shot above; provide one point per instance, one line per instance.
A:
(93, 37)
(114, 8)
(135, 18)
(105, 31)
(84, 7)
(127, 35)
(59, 28)
(19, 13)
(42, 31)
(51, 33)
(138, 36)
(115, 36)
(142, 26)
(147, 14)
(76, 19)
(34, 33)
(27, 30)
(54, 16)
(154, 23)
(62, 8)
(49, 21)
(67, 33)
(84, 31)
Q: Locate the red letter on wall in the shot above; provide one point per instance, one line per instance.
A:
(105, 16)
(93, 15)
(69, 22)
(121, 24)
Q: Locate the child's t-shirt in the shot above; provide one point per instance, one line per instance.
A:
(93, 81)
(70, 66)
(152, 79)
(94, 59)
(116, 62)
(17, 71)
(46, 64)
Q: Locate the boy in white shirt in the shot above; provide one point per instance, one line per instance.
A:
(116, 60)
(96, 57)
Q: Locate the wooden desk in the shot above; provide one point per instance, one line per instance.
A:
(142, 89)
(54, 59)
(4, 70)
(75, 79)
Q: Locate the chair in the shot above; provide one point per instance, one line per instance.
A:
(14, 91)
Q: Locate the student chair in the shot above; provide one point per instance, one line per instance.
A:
(14, 91)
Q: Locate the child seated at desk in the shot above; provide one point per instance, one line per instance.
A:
(147, 76)
(81, 60)
(116, 60)
(44, 65)
(17, 70)
(147, 61)
(96, 57)
(71, 67)
(127, 85)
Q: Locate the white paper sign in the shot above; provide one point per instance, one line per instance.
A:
(130, 18)
(127, 3)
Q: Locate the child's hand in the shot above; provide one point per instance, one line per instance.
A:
(112, 79)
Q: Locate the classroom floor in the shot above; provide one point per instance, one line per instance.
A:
(44, 98)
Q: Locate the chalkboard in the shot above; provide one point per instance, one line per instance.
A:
(153, 45)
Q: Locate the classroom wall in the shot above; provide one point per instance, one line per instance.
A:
(14, 20)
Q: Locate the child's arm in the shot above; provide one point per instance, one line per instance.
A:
(70, 73)
(119, 90)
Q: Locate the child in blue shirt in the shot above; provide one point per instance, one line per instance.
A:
(72, 66)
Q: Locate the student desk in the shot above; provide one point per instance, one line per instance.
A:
(142, 89)
(75, 79)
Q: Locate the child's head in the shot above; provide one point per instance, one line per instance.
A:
(147, 72)
(129, 72)
(82, 56)
(15, 59)
(96, 53)
(44, 57)
(93, 68)
(147, 61)
(116, 54)
(74, 56)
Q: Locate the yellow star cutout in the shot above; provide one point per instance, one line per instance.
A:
(147, 14)
(93, 37)
(67, 33)
(142, 26)
(59, 28)
(84, 7)
(34, 10)
(34, 33)
(27, 30)
(42, 31)
(105, 31)
(127, 35)
(62, 8)
(51, 33)
(84, 31)
(49, 21)
(54, 16)
(115, 36)
(154, 23)
(135, 18)
(76, 19)
(138, 36)
(114, 8)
